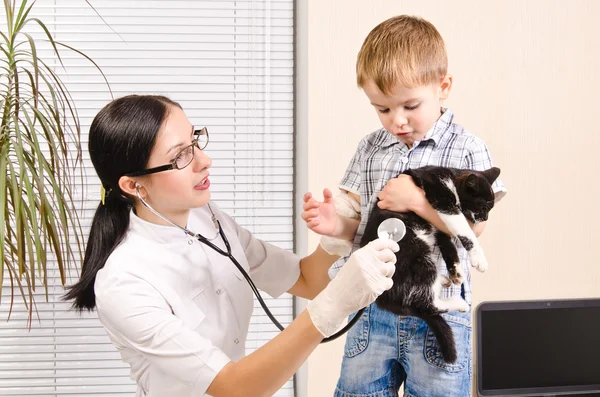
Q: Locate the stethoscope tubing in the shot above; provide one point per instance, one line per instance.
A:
(229, 255)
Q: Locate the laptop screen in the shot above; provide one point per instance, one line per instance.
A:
(550, 345)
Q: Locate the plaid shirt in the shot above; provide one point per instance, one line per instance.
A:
(381, 156)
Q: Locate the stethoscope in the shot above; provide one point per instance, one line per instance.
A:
(392, 228)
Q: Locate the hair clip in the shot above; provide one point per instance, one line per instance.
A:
(102, 194)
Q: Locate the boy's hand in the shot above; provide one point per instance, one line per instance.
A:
(401, 194)
(321, 217)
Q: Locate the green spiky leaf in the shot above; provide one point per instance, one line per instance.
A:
(40, 160)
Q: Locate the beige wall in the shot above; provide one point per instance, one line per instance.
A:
(526, 80)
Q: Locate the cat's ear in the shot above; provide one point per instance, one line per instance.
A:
(491, 174)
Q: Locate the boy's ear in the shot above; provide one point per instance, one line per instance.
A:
(445, 86)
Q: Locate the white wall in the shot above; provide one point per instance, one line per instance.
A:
(526, 79)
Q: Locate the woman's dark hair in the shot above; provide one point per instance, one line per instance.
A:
(121, 139)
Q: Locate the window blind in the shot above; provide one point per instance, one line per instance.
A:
(230, 65)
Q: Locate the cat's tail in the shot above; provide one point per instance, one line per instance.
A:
(443, 334)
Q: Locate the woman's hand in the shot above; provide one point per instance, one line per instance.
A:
(366, 275)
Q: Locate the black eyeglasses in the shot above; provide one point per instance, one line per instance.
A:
(183, 158)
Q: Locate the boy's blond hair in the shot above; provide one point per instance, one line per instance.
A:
(403, 50)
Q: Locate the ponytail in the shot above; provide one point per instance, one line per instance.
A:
(108, 229)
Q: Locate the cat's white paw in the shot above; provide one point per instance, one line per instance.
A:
(478, 260)
(457, 277)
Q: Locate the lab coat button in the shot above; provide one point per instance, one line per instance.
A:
(218, 292)
(236, 341)
(190, 242)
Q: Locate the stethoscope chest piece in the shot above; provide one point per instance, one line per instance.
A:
(391, 228)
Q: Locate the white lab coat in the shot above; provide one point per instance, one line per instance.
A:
(178, 311)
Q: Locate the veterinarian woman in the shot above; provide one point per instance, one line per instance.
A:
(177, 310)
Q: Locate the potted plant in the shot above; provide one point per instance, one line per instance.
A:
(40, 160)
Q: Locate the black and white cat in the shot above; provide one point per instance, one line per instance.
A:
(457, 195)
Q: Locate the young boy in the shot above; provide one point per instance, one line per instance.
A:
(402, 68)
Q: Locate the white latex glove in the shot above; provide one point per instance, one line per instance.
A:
(335, 246)
(365, 276)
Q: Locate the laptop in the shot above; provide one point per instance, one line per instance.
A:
(538, 348)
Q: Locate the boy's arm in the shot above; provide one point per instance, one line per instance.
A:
(336, 218)
(348, 216)
(478, 228)
(351, 223)
(314, 268)
(347, 228)
(401, 194)
(347, 204)
(355, 196)
(426, 211)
